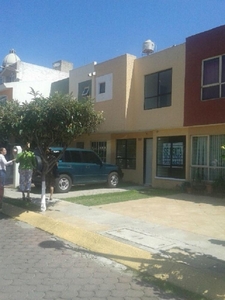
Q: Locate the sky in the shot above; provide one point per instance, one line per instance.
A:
(83, 31)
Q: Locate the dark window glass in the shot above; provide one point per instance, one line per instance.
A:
(157, 91)
(211, 92)
(90, 157)
(211, 71)
(223, 68)
(223, 90)
(75, 156)
(126, 153)
(67, 157)
(102, 88)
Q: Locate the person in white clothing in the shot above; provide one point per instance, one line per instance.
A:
(3, 164)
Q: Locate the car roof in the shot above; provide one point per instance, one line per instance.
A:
(69, 149)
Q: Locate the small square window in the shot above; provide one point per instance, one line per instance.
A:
(102, 88)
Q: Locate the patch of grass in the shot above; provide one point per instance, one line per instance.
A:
(115, 197)
(23, 204)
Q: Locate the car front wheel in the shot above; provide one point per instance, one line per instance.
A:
(63, 184)
(113, 180)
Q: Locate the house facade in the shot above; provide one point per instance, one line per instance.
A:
(164, 112)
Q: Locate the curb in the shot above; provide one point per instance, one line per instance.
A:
(208, 284)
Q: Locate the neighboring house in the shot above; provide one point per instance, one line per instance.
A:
(17, 78)
(164, 112)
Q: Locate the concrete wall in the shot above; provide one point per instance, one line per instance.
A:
(120, 71)
(30, 72)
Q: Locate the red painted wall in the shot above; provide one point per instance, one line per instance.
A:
(198, 47)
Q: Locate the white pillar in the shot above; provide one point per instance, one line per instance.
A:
(16, 175)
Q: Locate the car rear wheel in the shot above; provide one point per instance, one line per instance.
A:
(113, 180)
(63, 184)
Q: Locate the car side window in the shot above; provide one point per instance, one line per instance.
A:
(90, 157)
(75, 156)
(67, 157)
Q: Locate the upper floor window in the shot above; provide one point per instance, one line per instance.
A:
(85, 91)
(157, 90)
(104, 87)
(101, 87)
(213, 78)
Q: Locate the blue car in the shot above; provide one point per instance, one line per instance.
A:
(82, 166)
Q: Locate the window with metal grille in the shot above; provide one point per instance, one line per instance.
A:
(100, 149)
(126, 153)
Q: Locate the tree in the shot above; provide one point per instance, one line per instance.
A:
(49, 121)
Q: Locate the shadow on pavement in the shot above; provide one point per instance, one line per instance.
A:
(172, 272)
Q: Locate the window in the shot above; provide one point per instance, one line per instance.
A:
(171, 157)
(213, 78)
(72, 156)
(157, 91)
(80, 145)
(100, 149)
(85, 92)
(102, 88)
(126, 153)
(90, 157)
(206, 161)
(84, 89)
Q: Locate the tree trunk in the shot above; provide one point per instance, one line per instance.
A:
(43, 192)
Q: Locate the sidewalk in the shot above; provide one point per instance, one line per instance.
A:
(179, 239)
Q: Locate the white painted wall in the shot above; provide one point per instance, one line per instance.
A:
(30, 72)
(21, 89)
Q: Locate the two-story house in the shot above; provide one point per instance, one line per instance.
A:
(164, 113)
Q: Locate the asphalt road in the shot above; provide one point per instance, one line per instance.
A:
(37, 265)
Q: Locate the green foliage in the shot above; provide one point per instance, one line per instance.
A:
(47, 121)
(9, 117)
(58, 119)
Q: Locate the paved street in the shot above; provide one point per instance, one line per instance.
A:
(37, 265)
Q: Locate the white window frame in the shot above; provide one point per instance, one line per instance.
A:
(219, 83)
(207, 166)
